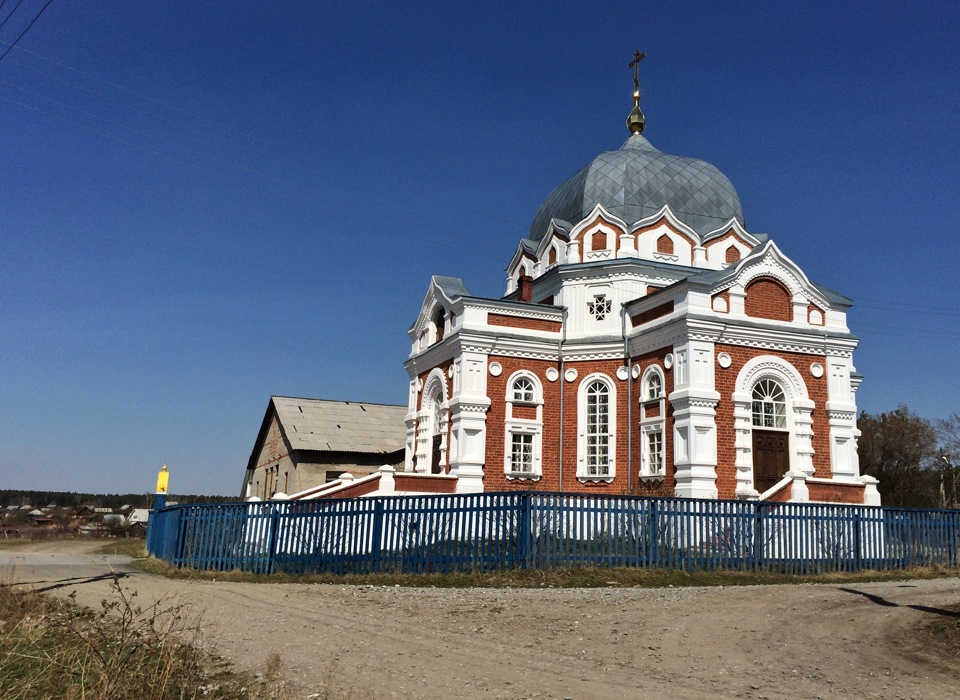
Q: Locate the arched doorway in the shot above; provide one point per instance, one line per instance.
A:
(771, 440)
(436, 432)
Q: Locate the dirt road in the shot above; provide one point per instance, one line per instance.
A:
(804, 641)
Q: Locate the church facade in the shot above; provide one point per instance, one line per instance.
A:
(647, 343)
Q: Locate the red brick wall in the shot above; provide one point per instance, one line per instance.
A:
(423, 484)
(651, 314)
(494, 477)
(665, 245)
(726, 380)
(358, 489)
(766, 298)
(836, 493)
(599, 240)
(533, 324)
(731, 254)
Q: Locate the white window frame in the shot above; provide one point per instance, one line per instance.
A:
(652, 424)
(523, 426)
(610, 434)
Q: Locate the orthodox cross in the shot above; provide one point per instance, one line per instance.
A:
(635, 64)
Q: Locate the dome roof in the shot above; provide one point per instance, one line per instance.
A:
(637, 181)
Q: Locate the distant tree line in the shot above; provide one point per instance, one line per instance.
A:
(916, 460)
(41, 499)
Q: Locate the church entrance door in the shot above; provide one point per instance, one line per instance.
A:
(770, 458)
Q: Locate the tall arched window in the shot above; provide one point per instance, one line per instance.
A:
(652, 423)
(769, 405)
(523, 434)
(596, 447)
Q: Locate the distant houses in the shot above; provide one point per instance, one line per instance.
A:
(81, 521)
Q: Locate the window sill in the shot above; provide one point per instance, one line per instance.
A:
(522, 476)
(586, 479)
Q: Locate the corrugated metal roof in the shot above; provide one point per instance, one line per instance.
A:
(341, 426)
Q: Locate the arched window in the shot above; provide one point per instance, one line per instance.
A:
(769, 405)
(438, 324)
(652, 424)
(654, 387)
(523, 390)
(597, 417)
(523, 431)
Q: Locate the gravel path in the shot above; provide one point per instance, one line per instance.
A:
(803, 641)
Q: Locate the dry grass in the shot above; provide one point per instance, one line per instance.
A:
(52, 648)
(554, 578)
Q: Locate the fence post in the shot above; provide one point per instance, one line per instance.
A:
(274, 526)
(857, 557)
(377, 543)
(525, 553)
(758, 537)
(653, 540)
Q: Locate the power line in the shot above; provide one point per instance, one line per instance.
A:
(7, 18)
(23, 33)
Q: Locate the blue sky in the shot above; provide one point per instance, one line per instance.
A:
(208, 203)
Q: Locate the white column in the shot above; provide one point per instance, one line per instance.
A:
(695, 428)
(743, 428)
(468, 413)
(803, 434)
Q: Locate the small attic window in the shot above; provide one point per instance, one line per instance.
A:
(438, 324)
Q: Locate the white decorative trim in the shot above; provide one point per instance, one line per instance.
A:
(571, 374)
(582, 428)
(816, 369)
(496, 369)
(668, 360)
(724, 360)
(450, 371)
(622, 373)
(636, 371)
(552, 374)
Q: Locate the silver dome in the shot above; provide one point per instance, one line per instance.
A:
(635, 182)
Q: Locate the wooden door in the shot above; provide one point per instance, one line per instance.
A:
(770, 458)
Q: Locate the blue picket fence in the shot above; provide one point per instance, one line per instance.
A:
(496, 531)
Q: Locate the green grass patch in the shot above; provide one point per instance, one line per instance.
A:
(553, 578)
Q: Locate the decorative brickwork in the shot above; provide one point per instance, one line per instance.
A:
(766, 298)
(731, 255)
(599, 240)
(532, 324)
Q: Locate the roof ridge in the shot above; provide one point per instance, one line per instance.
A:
(343, 401)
